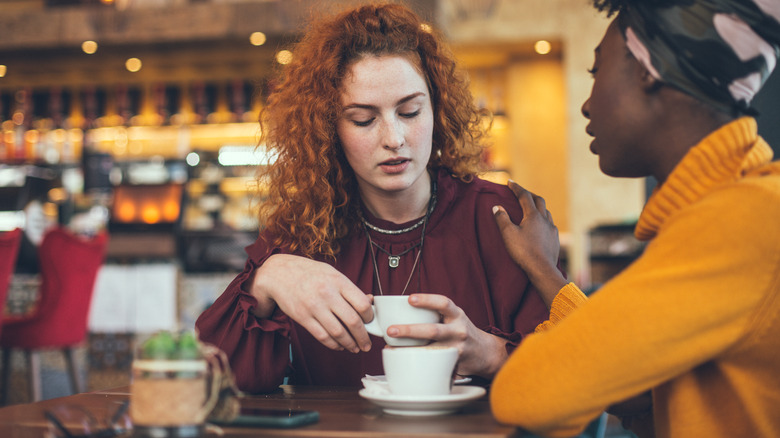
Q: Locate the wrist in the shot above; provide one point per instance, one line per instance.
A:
(265, 303)
(548, 285)
(497, 357)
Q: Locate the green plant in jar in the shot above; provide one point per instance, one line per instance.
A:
(172, 391)
(167, 346)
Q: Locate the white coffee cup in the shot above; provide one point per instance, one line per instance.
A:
(395, 309)
(419, 371)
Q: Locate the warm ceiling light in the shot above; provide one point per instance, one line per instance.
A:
(89, 47)
(542, 47)
(126, 211)
(150, 214)
(3, 70)
(31, 136)
(257, 38)
(284, 57)
(170, 211)
(59, 135)
(133, 65)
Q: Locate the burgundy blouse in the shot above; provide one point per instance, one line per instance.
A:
(463, 258)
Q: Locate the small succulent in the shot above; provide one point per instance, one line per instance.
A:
(164, 345)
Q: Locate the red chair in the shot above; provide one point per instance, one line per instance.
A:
(9, 249)
(69, 265)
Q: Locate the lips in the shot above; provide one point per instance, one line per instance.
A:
(592, 143)
(395, 166)
(394, 162)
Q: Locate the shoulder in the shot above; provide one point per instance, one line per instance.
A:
(757, 195)
(743, 213)
(477, 189)
(476, 198)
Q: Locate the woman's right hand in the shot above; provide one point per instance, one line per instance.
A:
(316, 296)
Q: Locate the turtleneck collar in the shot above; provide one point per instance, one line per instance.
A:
(722, 157)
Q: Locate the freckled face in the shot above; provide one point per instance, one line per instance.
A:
(619, 122)
(386, 127)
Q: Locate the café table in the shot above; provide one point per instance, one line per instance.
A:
(343, 413)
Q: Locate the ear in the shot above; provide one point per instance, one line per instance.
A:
(647, 81)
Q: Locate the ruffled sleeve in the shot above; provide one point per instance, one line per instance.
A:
(258, 349)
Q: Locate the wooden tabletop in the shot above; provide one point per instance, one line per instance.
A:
(343, 413)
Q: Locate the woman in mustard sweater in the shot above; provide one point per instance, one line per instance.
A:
(695, 321)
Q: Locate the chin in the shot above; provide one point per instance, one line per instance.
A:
(610, 171)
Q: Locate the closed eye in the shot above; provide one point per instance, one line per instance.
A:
(410, 115)
(364, 122)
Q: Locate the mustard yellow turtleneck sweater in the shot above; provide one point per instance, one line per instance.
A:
(696, 318)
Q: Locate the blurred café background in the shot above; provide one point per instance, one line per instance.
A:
(138, 118)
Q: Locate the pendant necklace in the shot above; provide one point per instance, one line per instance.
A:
(393, 259)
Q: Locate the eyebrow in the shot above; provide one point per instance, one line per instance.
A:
(374, 107)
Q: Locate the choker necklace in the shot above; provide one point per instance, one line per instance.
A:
(384, 231)
(431, 206)
(394, 259)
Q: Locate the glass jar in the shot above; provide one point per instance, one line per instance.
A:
(168, 398)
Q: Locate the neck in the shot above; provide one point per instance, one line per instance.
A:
(399, 207)
(682, 130)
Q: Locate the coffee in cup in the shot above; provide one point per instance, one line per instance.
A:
(395, 309)
(419, 371)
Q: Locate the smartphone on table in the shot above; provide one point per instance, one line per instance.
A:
(279, 418)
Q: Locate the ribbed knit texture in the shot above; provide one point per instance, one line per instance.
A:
(569, 298)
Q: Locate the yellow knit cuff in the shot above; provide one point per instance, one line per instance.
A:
(568, 298)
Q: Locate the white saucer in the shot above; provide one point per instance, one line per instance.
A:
(414, 405)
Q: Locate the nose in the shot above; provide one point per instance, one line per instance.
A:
(586, 109)
(392, 135)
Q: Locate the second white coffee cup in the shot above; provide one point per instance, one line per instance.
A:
(419, 371)
(395, 309)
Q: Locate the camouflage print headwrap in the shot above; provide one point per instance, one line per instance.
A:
(719, 51)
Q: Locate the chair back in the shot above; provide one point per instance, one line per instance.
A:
(69, 264)
(9, 250)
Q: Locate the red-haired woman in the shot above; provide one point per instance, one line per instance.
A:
(373, 192)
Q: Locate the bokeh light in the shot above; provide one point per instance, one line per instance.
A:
(89, 47)
(133, 65)
(257, 38)
(542, 47)
(284, 57)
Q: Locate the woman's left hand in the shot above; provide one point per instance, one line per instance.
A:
(479, 352)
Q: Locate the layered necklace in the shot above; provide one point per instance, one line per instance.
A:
(393, 260)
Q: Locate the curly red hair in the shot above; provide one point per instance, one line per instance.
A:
(311, 189)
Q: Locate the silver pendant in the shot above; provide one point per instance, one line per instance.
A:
(393, 261)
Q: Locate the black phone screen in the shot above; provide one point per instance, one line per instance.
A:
(254, 412)
(281, 418)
